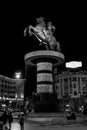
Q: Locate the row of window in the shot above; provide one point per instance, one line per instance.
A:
(9, 96)
(8, 91)
(9, 83)
(75, 93)
(9, 86)
(72, 79)
(66, 91)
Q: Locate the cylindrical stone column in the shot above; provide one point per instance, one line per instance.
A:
(44, 60)
(45, 86)
(44, 77)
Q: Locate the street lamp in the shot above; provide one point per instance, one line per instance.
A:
(17, 75)
(16, 99)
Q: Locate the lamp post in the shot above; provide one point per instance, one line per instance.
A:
(16, 99)
(17, 75)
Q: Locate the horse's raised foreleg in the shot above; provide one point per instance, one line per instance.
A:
(25, 31)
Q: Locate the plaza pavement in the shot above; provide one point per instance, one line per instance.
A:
(51, 122)
(29, 126)
(55, 119)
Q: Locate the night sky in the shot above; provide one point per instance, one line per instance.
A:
(71, 32)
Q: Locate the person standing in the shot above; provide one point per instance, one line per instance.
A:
(10, 119)
(21, 121)
(4, 119)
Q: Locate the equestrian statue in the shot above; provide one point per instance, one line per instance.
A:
(44, 33)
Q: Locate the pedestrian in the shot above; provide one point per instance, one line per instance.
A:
(21, 121)
(73, 115)
(10, 119)
(4, 119)
(69, 116)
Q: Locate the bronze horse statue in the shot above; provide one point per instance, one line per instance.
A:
(44, 35)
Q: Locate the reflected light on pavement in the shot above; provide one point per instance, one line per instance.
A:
(15, 126)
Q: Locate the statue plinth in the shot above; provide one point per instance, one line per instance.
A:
(56, 58)
(44, 60)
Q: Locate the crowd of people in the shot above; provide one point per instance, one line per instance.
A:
(7, 119)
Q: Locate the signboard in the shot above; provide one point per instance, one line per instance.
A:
(73, 64)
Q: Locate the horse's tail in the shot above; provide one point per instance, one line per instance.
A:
(30, 29)
(25, 31)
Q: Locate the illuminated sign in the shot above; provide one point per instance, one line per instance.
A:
(73, 64)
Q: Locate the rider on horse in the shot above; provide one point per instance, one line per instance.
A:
(44, 34)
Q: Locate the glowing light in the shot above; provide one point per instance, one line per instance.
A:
(10, 101)
(74, 64)
(67, 105)
(3, 105)
(16, 95)
(18, 75)
(22, 96)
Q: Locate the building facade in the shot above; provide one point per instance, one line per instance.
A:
(11, 89)
(71, 87)
(7, 87)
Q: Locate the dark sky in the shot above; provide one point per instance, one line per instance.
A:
(71, 32)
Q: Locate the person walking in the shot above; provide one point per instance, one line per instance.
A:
(4, 119)
(21, 121)
(10, 119)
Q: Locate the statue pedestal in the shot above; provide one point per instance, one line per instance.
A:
(45, 60)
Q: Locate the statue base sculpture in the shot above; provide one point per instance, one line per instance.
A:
(46, 100)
